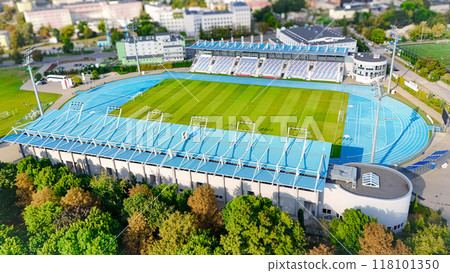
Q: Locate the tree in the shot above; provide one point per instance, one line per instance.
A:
(76, 80)
(79, 197)
(170, 196)
(378, 36)
(263, 27)
(9, 244)
(377, 240)
(116, 36)
(66, 182)
(43, 196)
(110, 191)
(67, 31)
(174, 233)
(45, 178)
(256, 227)
(101, 26)
(92, 236)
(71, 215)
(7, 175)
(95, 74)
(345, 233)
(138, 235)
(17, 57)
(56, 33)
(154, 210)
(322, 250)
(2, 52)
(40, 219)
(203, 206)
(81, 26)
(67, 45)
(25, 189)
(38, 76)
(431, 240)
(143, 189)
(37, 56)
(438, 30)
(200, 242)
(87, 33)
(44, 32)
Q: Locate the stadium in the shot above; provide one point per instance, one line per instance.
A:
(302, 144)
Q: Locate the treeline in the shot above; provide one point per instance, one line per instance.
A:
(72, 214)
(217, 33)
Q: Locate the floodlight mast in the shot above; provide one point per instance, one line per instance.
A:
(133, 27)
(28, 61)
(396, 38)
(380, 95)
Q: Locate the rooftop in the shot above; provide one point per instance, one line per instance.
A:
(270, 48)
(290, 162)
(392, 184)
(309, 35)
(369, 57)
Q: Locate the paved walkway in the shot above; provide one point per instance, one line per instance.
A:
(434, 185)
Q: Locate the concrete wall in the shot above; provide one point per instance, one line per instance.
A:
(390, 212)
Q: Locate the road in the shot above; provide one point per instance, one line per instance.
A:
(438, 88)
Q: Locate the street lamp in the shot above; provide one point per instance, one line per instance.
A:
(380, 95)
(133, 27)
(28, 61)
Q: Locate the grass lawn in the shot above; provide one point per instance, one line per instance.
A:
(225, 103)
(435, 50)
(14, 103)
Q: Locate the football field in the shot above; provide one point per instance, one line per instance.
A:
(272, 109)
(431, 49)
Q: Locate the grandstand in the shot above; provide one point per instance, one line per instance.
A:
(222, 65)
(272, 68)
(246, 67)
(320, 63)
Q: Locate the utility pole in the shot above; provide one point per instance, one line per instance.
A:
(380, 95)
(28, 61)
(133, 27)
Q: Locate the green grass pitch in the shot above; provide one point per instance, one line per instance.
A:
(14, 103)
(225, 103)
(434, 50)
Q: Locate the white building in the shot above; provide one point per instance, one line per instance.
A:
(161, 48)
(5, 41)
(64, 15)
(193, 19)
(366, 67)
(315, 35)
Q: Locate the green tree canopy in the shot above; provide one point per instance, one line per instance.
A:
(110, 191)
(255, 226)
(88, 237)
(9, 244)
(40, 219)
(348, 230)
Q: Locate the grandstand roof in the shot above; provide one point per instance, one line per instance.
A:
(270, 48)
(315, 35)
(297, 163)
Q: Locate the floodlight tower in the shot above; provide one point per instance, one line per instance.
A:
(133, 27)
(396, 38)
(28, 61)
(381, 94)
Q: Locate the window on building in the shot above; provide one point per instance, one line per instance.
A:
(250, 193)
